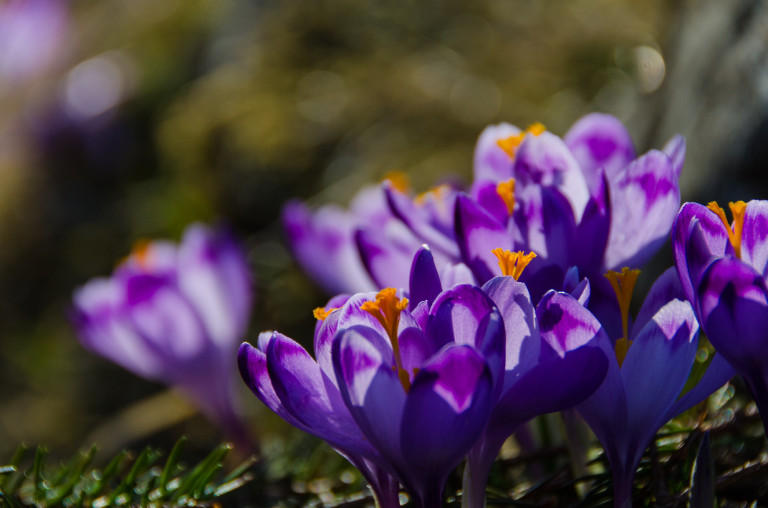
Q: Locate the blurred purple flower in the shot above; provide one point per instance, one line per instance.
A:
(323, 242)
(648, 368)
(551, 361)
(32, 36)
(371, 245)
(723, 267)
(406, 392)
(175, 314)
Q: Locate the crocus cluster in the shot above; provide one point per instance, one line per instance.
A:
(467, 314)
(407, 388)
(545, 245)
(585, 200)
(175, 314)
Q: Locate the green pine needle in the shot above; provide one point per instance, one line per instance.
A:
(124, 481)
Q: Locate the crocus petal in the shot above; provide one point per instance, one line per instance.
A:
(348, 314)
(166, 320)
(371, 388)
(523, 343)
(599, 141)
(478, 233)
(692, 255)
(425, 225)
(581, 290)
(490, 161)
(369, 206)
(754, 239)
(608, 426)
(445, 412)
(594, 228)
(387, 253)
(424, 282)
(546, 223)
(252, 364)
(675, 150)
(415, 347)
(309, 396)
(214, 277)
(105, 328)
(564, 324)
(456, 273)
(733, 301)
(656, 368)
(553, 385)
(718, 373)
(324, 246)
(560, 229)
(644, 204)
(466, 315)
(666, 288)
(545, 161)
(485, 193)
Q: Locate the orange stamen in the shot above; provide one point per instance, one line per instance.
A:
(511, 143)
(623, 284)
(386, 309)
(511, 263)
(320, 313)
(738, 209)
(437, 193)
(506, 190)
(400, 181)
(141, 253)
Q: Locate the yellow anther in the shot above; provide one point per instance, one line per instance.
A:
(386, 309)
(140, 254)
(437, 193)
(511, 143)
(320, 313)
(623, 284)
(734, 231)
(536, 128)
(506, 190)
(400, 181)
(511, 263)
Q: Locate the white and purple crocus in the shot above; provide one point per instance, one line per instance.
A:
(551, 361)
(405, 389)
(723, 267)
(402, 392)
(584, 201)
(175, 314)
(649, 365)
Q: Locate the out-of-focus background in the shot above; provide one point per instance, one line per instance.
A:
(129, 119)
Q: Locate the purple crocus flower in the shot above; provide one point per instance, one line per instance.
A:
(175, 314)
(328, 243)
(372, 244)
(723, 267)
(585, 200)
(402, 390)
(647, 371)
(552, 362)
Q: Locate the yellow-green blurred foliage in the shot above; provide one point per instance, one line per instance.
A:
(155, 113)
